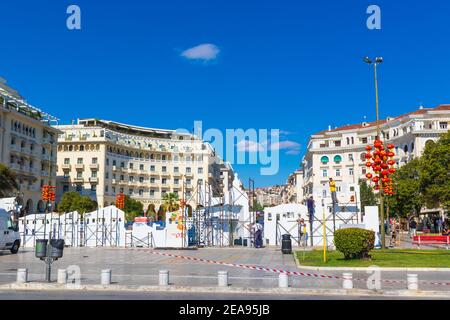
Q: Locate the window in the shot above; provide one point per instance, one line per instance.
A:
(131, 178)
(94, 160)
(141, 192)
(324, 193)
(338, 172)
(350, 157)
(163, 158)
(107, 162)
(324, 160)
(152, 193)
(337, 143)
(130, 192)
(188, 181)
(364, 140)
(164, 180)
(107, 175)
(337, 159)
(351, 171)
(141, 167)
(324, 173)
(176, 169)
(65, 188)
(114, 162)
(152, 168)
(79, 175)
(79, 188)
(122, 164)
(122, 177)
(66, 161)
(131, 166)
(93, 187)
(80, 161)
(152, 180)
(200, 181)
(200, 170)
(94, 174)
(164, 169)
(106, 189)
(176, 181)
(188, 169)
(66, 174)
(141, 179)
(114, 190)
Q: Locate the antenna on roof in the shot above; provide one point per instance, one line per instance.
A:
(420, 106)
(329, 127)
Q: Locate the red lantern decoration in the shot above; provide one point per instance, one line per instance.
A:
(392, 170)
(385, 172)
(391, 162)
(369, 175)
(378, 143)
(377, 168)
(375, 179)
(384, 166)
(391, 146)
(368, 155)
(368, 148)
(368, 164)
(376, 187)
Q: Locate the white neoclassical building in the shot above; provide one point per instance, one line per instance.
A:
(339, 153)
(101, 158)
(27, 146)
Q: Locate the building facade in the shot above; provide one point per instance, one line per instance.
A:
(100, 159)
(27, 146)
(339, 153)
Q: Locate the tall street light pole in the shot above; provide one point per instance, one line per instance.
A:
(375, 63)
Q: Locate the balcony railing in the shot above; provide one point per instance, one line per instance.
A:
(94, 166)
(79, 166)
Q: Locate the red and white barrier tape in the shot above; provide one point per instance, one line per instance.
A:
(293, 273)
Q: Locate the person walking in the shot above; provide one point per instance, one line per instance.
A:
(412, 227)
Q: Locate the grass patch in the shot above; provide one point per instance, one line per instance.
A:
(400, 258)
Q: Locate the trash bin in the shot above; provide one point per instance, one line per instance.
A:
(41, 248)
(57, 247)
(286, 244)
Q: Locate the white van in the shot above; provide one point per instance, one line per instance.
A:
(9, 233)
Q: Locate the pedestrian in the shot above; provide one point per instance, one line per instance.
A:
(436, 225)
(439, 225)
(412, 227)
(258, 228)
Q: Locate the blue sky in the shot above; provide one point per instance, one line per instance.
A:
(290, 65)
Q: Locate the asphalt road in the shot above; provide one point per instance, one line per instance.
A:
(141, 267)
(105, 295)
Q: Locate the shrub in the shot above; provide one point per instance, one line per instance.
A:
(354, 243)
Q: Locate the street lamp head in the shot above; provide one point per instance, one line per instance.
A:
(367, 60)
(379, 60)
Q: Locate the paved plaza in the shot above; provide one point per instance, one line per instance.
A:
(137, 267)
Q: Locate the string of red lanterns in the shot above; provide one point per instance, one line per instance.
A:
(382, 162)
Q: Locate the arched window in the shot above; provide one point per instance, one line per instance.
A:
(337, 158)
(324, 159)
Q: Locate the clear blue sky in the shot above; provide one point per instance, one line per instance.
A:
(292, 65)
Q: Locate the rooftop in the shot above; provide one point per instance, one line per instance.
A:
(444, 107)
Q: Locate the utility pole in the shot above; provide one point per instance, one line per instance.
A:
(381, 196)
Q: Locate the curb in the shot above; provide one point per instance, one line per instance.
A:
(285, 291)
(300, 266)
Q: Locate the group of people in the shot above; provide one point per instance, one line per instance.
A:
(438, 223)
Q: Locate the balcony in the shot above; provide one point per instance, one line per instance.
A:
(44, 173)
(94, 166)
(188, 174)
(79, 166)
(46, 157)
(93, 180)
(115, 168)
(165, 174)
(114, 181)
(176, 174)
(66, 166)
(78, 180)
(131, 170)
(47, 140)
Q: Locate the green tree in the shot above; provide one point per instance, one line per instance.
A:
(407, 198)
(256, 206)
(73, 201)
(8, 183)
(435, 173)
(151, 212)
(368, 197)
(161, 214)
(132, 208)
(170, 202)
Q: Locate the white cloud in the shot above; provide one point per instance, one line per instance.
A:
(205, 52)
(292, 147)
(249, 146)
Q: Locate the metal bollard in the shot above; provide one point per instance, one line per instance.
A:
(223, 278)
(283, 280)
(106, 277)
(62, 276)
(413, 281)
(348, 281)
(163, 277)
(22, 275)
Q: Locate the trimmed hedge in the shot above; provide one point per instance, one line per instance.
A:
(354, 243)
